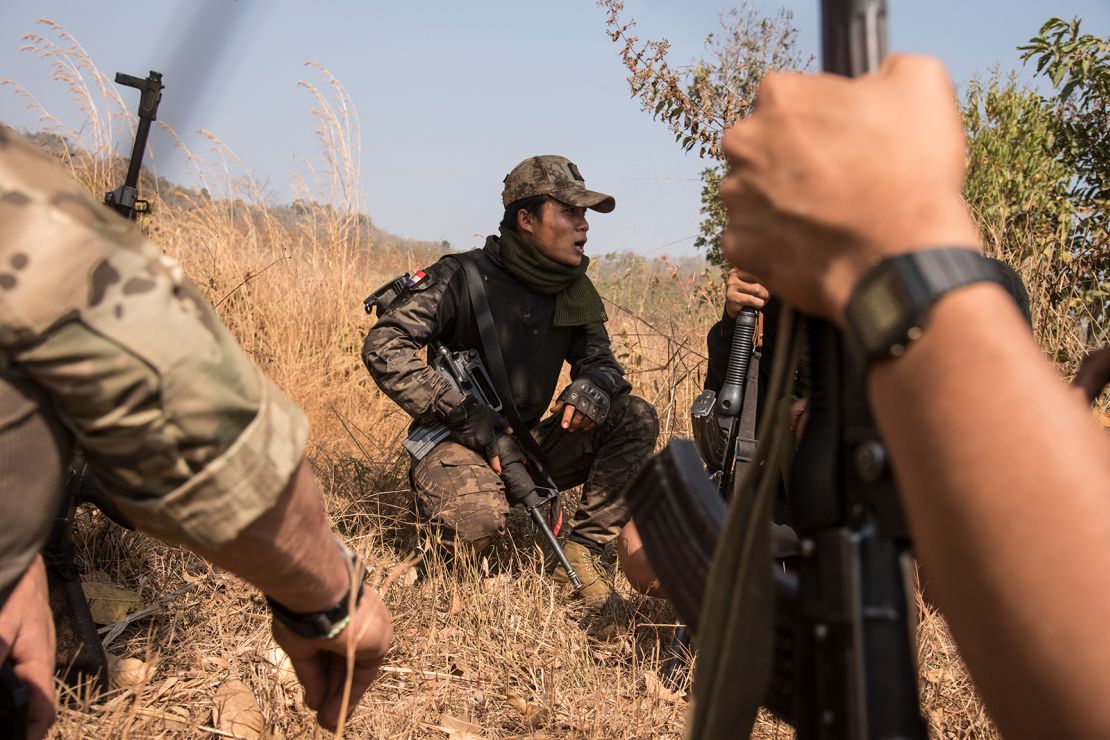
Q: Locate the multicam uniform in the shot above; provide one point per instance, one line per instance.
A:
(105, 342)
(455, 488)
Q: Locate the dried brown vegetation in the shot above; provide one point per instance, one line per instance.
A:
(483, 649)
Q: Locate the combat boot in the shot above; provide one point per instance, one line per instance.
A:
(595, 590)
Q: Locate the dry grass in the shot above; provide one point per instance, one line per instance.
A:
(491, 643)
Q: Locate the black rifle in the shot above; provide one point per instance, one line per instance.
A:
(466, 372)
(723, 421)
(831, 650)
(125, 198)
(80, 655)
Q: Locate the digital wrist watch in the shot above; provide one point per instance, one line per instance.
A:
(889, 306)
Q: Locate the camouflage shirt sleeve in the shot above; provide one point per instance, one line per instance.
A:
(592, 357)
(392, 349)
(185, 433)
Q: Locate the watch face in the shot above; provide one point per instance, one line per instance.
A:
(883, 306)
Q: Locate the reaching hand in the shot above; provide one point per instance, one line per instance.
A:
(322, 665)
(743, 290)
(27, 640)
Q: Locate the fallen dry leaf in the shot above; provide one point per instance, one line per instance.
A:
(109, 604)
(938, 675)
(123, 673)
(533, 714)
(234, 710)
(282, 665)
(403, 570)
(460, 729)
(460, 667)
(410, 577)
(659, 690)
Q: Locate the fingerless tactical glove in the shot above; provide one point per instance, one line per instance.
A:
(476, 425)
(587, 398)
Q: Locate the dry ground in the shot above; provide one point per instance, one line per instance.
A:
(487, 648)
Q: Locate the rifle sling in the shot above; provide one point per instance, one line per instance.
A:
(491, 348)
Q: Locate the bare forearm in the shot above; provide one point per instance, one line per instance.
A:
(1007, 487)
(289, 552)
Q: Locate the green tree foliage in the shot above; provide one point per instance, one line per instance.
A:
(698, 102)
(1038, 172)
(1079, 68)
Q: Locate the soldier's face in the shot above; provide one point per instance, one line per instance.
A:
(560, 233)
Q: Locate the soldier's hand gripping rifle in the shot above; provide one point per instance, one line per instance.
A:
(465, 371)
(831, 651)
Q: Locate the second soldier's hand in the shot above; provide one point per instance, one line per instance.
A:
(743, 290)
(573, 420)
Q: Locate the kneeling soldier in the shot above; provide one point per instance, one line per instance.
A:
(542, 311)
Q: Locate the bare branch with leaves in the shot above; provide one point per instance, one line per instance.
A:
(698, 102)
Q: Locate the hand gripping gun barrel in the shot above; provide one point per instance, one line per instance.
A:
(830, 648)
(467, 373)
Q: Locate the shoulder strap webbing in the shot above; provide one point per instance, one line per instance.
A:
(491, 348)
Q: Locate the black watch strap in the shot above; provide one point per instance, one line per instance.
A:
(326, 623)
(888, 307)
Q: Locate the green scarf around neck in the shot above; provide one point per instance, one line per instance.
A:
(577, 301)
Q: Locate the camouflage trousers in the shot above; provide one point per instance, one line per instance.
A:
(459, 494)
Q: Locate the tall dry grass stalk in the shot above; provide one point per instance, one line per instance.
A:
(483, 648)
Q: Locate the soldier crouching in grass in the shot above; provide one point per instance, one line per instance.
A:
(545, 311)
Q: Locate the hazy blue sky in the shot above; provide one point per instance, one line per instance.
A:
(450, 95)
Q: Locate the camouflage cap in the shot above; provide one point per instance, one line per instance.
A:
(550, 174)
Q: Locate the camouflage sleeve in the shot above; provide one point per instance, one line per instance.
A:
(591, 356)
(185, 433)
(392, 347)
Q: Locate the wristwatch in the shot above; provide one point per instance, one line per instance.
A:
(326, 623)
(888, 307)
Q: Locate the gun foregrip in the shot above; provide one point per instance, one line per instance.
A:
(731, 398)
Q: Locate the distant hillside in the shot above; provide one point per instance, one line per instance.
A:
(292, 216)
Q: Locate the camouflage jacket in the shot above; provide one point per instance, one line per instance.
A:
(533, 349)
(105, 341)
